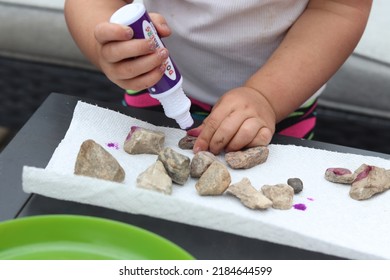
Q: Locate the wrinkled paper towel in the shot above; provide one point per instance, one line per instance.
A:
(333, 223)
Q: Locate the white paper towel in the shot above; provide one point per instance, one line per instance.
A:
(333, 223)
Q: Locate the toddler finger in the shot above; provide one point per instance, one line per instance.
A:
(161, 25)
(195, 131)
(128, 69)
(263, 138)
(245, 135)
(116, 51)
(226, 132)
(209, 126)
(143, 81)
(106, 32)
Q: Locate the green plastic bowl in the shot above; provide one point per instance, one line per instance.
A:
(73, 237)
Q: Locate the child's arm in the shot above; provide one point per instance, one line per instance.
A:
(83, 16)
(111, 47)
(315, 47)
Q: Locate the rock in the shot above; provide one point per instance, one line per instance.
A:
(296, 184)
(155, 178)
(144, 141)
(214, 181)
(200, 162)
(248, 195)
(369, 180)
(281, 195)
(187, 142)
(339, 175)
(176, 164)
(247, 158)
(94, 161)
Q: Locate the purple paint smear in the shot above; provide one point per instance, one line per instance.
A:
(133, 129)
(364, 173)
(300, 206)
(310, 198)
(113, 145)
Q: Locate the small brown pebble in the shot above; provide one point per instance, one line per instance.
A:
(247, 158)
(281, 195)
(339, 175)
(214, 181)
(200, 162)
(176, 164)
(187, 142)
(155, 178)
(296, 184)
(94, 161)
(144, 141)
(248, 195)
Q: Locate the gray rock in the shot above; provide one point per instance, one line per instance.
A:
(200, 162)
(94, 161)
(369, 180)
(339, 175)
(144, 141)
(296, 184)
(155, 178)
(176, 164)
(214, 181)
(281, 195)
(187, 142)
(248, 195)
(247, 158)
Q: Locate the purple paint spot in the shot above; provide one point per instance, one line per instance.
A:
(113, 145)
(310, 198)
(300, 206)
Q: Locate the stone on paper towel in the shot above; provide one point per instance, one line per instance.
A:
(248, 195)
(200, 162)
(247, 158)
(369, 180)
(144, 141)
(94, 161)
(187, 142)
(296, 184)
(176, 164)
(281, 195)
(155, 178)
(214, 181)
(339, 175)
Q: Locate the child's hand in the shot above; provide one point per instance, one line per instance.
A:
(241, 118)
(130, 63)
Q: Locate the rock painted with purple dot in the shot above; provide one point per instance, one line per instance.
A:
(339, 175)
(94, 161)
(144, 141)
(369, 180)
(187, 142)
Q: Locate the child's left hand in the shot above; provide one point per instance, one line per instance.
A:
(242, 118)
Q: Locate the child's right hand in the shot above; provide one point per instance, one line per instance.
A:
(130, 63)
